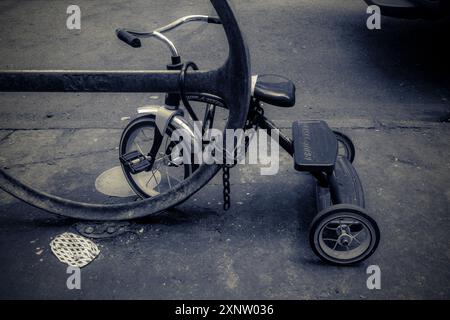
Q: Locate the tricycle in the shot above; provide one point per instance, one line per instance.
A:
(342, 232)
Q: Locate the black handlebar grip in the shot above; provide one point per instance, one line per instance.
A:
(128, 38)
(215, 20)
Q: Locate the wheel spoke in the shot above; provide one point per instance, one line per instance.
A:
(335, 245)
(352, 223)
(139, 148)
(143, 133)
(152, 176)
(356, 235)
(168, 177)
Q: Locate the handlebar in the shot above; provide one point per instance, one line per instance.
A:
(131, 37)
(185, 20)
(128, 38)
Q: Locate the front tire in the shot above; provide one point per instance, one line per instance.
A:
(165, 174)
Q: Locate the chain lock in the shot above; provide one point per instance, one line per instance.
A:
(226, 187)
(255, 113)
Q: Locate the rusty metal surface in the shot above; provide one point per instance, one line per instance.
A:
(102, 81)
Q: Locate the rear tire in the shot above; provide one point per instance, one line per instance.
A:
(344, 235)
(346, 146)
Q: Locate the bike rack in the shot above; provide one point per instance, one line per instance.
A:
(231, 82)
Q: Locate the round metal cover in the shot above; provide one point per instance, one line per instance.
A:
(74, 250)
(113, 183)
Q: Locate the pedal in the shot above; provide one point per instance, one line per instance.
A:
(315, 146)
(135, 161)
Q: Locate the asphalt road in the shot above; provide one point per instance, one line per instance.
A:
(388, 89)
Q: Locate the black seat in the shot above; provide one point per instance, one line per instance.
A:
(275, 90)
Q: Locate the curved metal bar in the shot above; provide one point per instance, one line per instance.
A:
(181, 21)
(99, 212)
(158, 33)
(171, 25)
(168, 42)
(231, 82)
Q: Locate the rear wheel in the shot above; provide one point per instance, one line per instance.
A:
(344, 234)
(346, 146)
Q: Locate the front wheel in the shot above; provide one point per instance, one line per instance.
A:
(344, 234)
(165, 174)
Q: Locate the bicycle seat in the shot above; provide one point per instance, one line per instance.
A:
(273, 89)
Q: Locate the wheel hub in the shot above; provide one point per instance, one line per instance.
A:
(345, 240)
(344, 235)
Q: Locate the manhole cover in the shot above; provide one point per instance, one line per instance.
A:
(99, 230)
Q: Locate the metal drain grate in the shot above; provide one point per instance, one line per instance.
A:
(74, 250)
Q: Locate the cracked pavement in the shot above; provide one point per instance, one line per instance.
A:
(387, 89)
